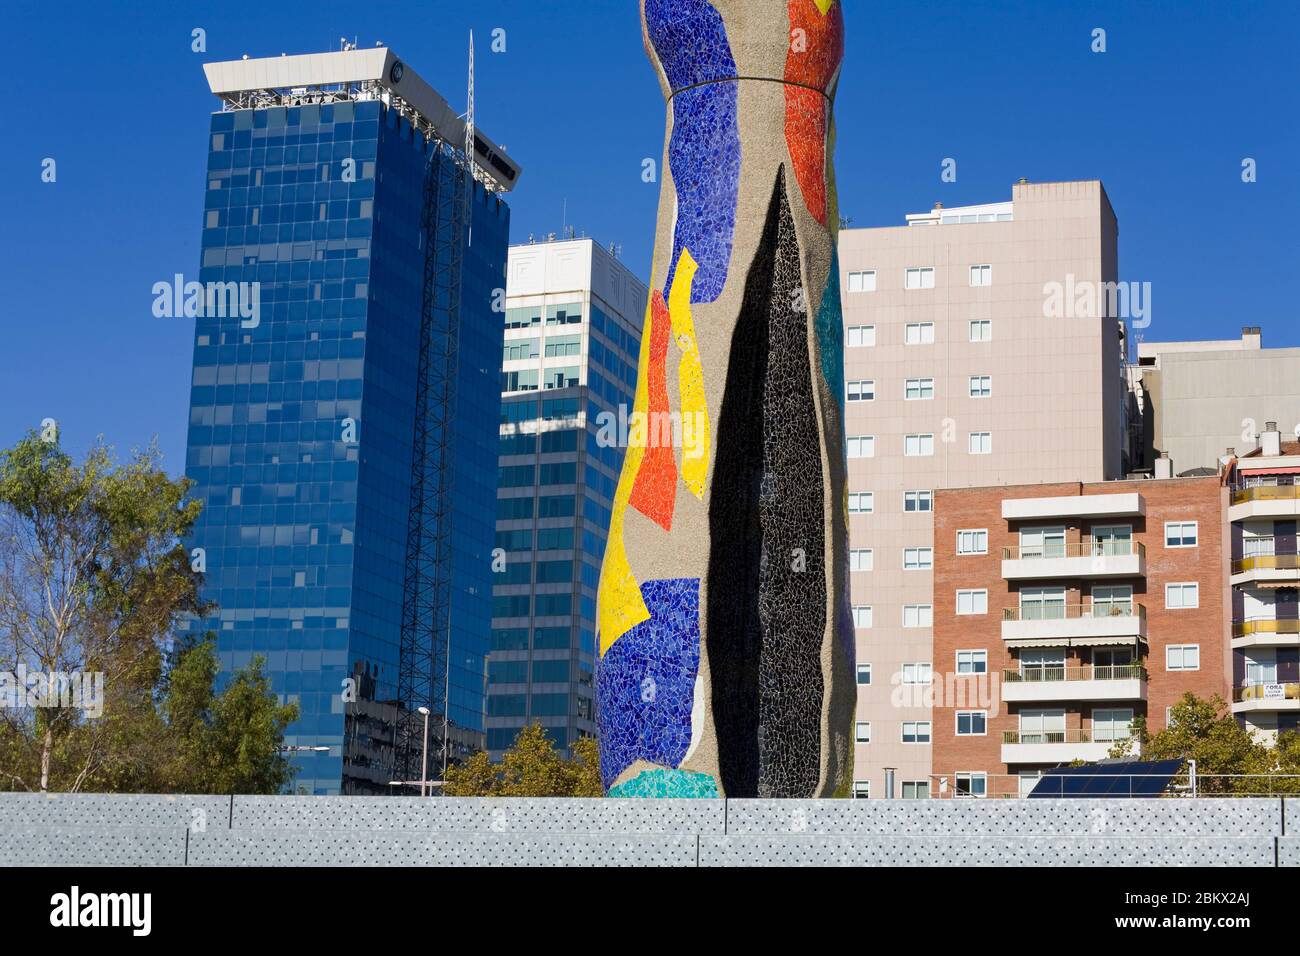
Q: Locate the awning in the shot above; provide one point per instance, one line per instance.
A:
(1129, 641)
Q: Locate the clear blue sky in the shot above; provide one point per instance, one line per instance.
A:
(113, 92)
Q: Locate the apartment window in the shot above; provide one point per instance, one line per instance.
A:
(918, 673)
(981, 386)
(861, 789)
(981, 330)
(862, 281)
(917, 389)
(864, 391)
(972, 662)
(1183, 657)
(862, 502)
(918, 615)
(918, 501)
(919, 278)
(973, 541)
(861, 336)
(1180, 597)
(860, 559)
(916, 731)
(916, 790)
(981, 275)
(862, 446)
(973, 602)
(862, 617)
(864, 674)
(980, 443)
(918, 446)
(918, 333)
(1180, 534)
(971, 783)
(1111, 725)
(862, 732)
(972, 723)
(918, 559)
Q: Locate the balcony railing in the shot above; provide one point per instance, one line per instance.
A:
(1266, 690)
(1077, 735)
(1064, 612)
(1265, 493)
(1267, 562)
(1092, 548)
(1030, 673)
(1264, 626)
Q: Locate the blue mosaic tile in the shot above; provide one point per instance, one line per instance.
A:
(690, 41)
(645, 683)
(830, 331)
(668, 784)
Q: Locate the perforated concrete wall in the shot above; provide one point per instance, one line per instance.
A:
(146, 830)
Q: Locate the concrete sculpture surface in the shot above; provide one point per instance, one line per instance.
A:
(724, 632)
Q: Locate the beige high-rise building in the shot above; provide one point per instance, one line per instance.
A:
(981, 348)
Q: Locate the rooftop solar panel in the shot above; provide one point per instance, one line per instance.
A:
(1120, 779)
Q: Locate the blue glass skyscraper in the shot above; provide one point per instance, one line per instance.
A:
(343, 440)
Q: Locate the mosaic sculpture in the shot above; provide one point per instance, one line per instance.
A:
(724, 633)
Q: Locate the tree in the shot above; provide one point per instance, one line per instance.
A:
(530, 768)
(1207, 732)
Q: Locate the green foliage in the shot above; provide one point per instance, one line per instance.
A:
(1207, 732)
(94, 579)
(530, 768)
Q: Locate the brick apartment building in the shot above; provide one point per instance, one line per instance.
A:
(1061, 613)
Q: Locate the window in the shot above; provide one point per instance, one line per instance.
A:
(862, 502)
(918, 673)
(862, 281)
(981, 275)
(1183, 657)
(1111, 725)
(981, 386)
(1180, 534)
(918, 446)
(862, 617)
(972, 662)
(918, 333)
(916, 789)
(918, 501)
(860, 559)
(1042, 542)
(861, 789)
(916, 389)
(864, 674)
(1180, 597)
(918, 615)
(861, 336)
(1258, 671)
(981, 330)
(1042, 604)
(919, 278)
(918, 559)
(916, 731)
(973, 602)
(864, 391)
(973, 542)
(980, 443)
(862, 446)
(972, 723)
(971, 783)
(862, 732)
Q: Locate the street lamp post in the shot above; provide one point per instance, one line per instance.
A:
(424, 755)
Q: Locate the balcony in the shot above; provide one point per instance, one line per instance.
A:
(1050, 682)
(1263, 566)
(1129, 505)
(1281, 696)
(1264, 501)
(1093, 558)
(1074, 625)
(1265, 632)
(1057, 746)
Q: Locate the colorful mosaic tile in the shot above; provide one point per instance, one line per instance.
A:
(810, 68)
(667, 784)
(655, 490)
(830, 332)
